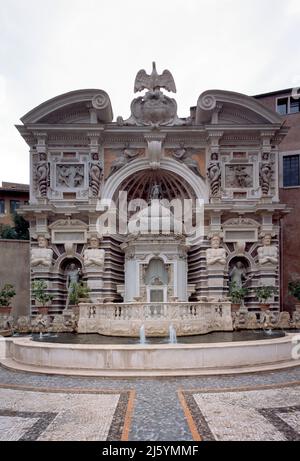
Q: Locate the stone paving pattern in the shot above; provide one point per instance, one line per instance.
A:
(158, 414)
(252, 415)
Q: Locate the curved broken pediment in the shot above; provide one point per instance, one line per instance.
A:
(228, 107)
(81, 106)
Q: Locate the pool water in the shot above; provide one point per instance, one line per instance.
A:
(217, 337)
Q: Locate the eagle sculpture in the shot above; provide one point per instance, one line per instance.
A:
(154, 81)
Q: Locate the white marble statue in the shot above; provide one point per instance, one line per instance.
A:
(215, 254)
(93, 256)
(268, 253)
(41, 256)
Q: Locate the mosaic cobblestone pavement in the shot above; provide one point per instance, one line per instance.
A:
(261, 406)
(250, 415)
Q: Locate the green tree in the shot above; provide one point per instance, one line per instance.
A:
(20, 230)
(7, 232)
(21, 227)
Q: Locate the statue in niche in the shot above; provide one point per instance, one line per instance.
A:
(125, 157)
(42, 175)
(214, 175)
(73, 277)
(215, 254)
(41, 256)
(238, 275)
(156, 192)
(265, 176)
(95, 175)
(93, 256)
(268, 253)
(184, 155)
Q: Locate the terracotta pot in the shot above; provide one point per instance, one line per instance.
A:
(5, 310)
(264, 307)
(43, 310)
(235, 307)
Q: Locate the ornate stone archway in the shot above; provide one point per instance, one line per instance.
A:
(197, 184)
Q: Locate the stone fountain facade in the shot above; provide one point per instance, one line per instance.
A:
(222, 154)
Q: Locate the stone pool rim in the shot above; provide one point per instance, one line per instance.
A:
(138, 360)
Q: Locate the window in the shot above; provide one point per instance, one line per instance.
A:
(282, 106)
(14, 205)
(294, 105)
(288, 105)
(291, 171)
(2, 206)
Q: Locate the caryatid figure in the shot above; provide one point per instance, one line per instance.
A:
(93, 256)
(214, 175)
(215, 254)
(95, 175)
(268, 253)
(42, 175)
(41, 256)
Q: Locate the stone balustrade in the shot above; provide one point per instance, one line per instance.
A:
(126, 319)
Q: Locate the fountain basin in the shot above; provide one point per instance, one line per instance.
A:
(149, 360)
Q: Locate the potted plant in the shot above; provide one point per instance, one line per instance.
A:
(294, 290)
(264, 293)
(79, 293)
(237, 294)
(41, 296)
(6, 295)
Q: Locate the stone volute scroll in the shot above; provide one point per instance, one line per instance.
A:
(41, 256)
(268, 253)
(216, 256)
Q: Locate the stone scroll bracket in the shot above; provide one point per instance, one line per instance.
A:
(154, 151)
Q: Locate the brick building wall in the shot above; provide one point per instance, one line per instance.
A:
(290, 238)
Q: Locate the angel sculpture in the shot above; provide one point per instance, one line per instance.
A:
(154, 81)
(184, 155)
(125, 157)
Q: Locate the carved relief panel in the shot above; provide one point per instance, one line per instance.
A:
(240, 175)
(69, 175)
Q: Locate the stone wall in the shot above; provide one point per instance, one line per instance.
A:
(15, 269)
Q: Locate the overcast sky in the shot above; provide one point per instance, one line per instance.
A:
(50, 47)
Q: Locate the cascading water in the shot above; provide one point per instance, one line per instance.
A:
(172, 335)
(142, 335)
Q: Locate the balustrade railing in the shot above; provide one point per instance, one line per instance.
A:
(152, 311)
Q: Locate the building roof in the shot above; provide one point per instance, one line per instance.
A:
(273, 93)
(14, 187)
